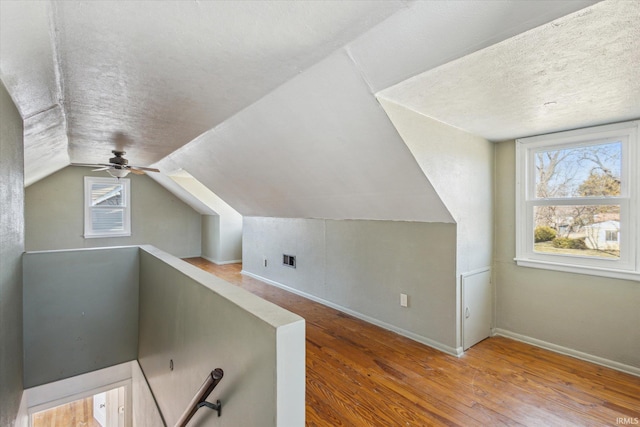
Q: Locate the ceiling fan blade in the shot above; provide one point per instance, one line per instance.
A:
(136, 171)
(103, 168)
(90, 165)
(145, 168)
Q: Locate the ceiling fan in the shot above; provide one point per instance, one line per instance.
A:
(118, 166)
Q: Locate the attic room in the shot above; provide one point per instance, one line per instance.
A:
(381, 160)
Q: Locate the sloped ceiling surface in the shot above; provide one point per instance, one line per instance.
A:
(148, 77)
(269, 103)
(319, 146)
(578, 71)
(172, 70)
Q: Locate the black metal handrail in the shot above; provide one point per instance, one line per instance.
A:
(200, 399)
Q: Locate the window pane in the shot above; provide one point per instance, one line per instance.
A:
(592, 231)
(107, 194)
(104, 220)
(586, 171)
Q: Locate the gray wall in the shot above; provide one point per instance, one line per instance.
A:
(54, 209)
(80, 312)
(363, 266)
(201, 323)
(594, 315)
(11, 248)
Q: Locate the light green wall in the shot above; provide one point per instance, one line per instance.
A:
(211, 237)
(201, 323)
(11, 248)
(459, 165)
(55, 216)
(363, 267)
(80, 312)
(222, 232)
(594, 315)
(222, 238)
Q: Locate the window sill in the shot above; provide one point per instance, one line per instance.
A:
(105, 236)
(591, 271)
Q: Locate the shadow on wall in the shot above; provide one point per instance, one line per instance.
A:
(166, 308)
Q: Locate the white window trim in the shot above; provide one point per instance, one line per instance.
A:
(628, 266)
(88, 229)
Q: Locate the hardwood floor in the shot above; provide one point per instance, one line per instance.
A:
(361, 375)
(73, 414)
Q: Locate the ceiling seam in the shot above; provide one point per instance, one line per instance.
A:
(380, 96)
(60, 86)
(44, 110)
(406, 4)
(361, 72)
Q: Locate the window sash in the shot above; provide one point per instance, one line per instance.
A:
(541, 148)
(96, 221)
(108, 220)
(626, 266)
(626, 260)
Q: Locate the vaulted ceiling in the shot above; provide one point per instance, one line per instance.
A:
(272, 104)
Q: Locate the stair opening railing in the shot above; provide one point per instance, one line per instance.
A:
(200, 398)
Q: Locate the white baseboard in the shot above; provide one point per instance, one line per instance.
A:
(568, 351)
(218, 262)
(419, 338)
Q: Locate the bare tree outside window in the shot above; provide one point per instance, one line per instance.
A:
(585, 181)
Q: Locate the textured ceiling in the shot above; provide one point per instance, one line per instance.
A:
(578, 71)
(270, 104)
(148, 77)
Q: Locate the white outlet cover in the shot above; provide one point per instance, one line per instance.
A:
(404, 300)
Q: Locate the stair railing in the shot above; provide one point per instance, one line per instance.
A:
(200, 398)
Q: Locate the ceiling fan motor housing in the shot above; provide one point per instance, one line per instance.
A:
(118, 159)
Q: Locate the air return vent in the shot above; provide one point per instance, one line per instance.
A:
(289, 260)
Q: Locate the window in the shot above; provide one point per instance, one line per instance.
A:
(577, 201)
(612, 236)
(107, 207)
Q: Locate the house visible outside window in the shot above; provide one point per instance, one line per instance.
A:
(577, 201)
(107, 207)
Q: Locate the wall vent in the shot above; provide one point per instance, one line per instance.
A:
(289, 260)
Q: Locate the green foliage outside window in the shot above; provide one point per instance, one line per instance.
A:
(544, 234)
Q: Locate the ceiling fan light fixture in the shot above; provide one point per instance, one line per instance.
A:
(118, 173)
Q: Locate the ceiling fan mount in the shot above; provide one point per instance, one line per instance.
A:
(118, 159)
(118, 166)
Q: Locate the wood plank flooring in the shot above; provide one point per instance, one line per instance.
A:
(361, 375)
(73, 414)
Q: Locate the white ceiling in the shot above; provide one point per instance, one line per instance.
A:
(581, 70)
(271, 104)
(148, 77)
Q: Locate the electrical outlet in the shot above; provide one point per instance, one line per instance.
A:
(404, 300)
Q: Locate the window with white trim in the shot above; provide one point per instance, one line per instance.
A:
(107, 207)
(577, 201)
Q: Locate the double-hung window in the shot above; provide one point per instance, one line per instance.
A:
(578, 202)
(107, 207)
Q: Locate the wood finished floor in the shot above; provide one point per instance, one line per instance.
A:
(73, 414)
(361, 375)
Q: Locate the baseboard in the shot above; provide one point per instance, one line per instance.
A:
(218, 262)
(419, 338)
(568, 351)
